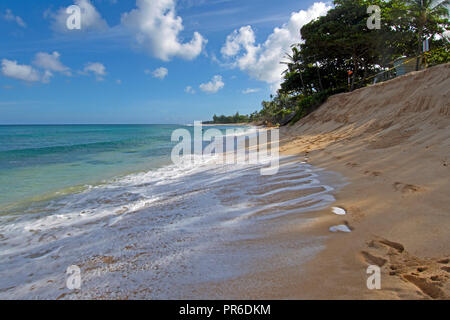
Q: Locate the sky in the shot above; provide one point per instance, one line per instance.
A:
(143, 61)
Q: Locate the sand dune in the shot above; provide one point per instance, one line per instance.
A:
(392, 140)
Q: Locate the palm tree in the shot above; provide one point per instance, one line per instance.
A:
(294, 63)
(424, 12)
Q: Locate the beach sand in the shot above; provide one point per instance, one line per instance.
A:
(392, 141)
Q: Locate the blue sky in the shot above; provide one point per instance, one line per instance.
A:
(145, 61)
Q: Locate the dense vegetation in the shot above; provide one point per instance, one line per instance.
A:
(340, 53)
(237, 118)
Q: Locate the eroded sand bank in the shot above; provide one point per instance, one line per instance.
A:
(392, 141)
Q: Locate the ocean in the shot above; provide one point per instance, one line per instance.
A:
(40, 163)
(108, 199)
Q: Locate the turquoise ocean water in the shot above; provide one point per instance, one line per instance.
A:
(38, 163)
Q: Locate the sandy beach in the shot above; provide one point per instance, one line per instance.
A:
(209, 151)
(208, 231)
(212, 232)
(392, 141)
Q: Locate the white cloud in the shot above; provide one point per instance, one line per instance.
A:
(47, 76)
(156, 27)
(262, 61)
(160, 73)
(190, 90)
(47, 64)
(213, 86)
(96, 68)
(91, 20)
(9, 16)
(244, 38)
(51, 62)
(250, 90)
(23, 72)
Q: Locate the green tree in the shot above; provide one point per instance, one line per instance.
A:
(341, 41)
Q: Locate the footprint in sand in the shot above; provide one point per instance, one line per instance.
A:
(427, 275)
(397, 246)
(352, 165)
(429, 288)
(373, 260)
(373, 173)
(406, 188)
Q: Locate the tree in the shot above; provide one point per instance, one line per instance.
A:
(341, 41)
(295, 68)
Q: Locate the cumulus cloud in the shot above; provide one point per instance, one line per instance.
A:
(250, 90)
(95, 68)
(23, 72)
(91, 20)
(238, 40)
(47, 62)
(51, 62)
(190, 90)
(213, 86)
(262, 61)
(46, 65)
(156, 27)
(160, 73)
(9, 16)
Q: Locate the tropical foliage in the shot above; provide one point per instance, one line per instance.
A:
(340, 53)
(237, 118)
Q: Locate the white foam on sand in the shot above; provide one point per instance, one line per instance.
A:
(340, 228)
(158, 231)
